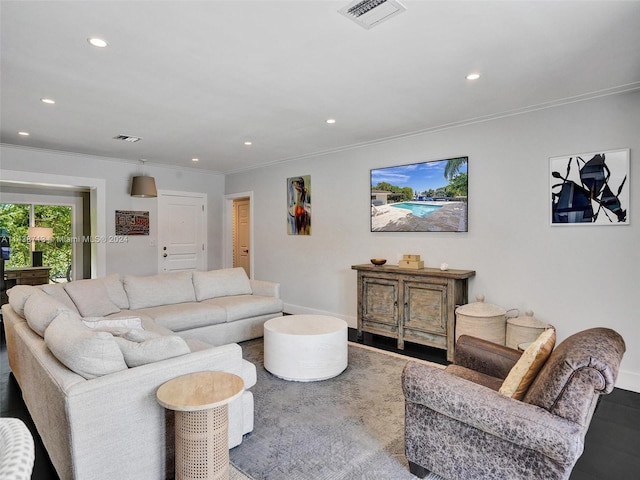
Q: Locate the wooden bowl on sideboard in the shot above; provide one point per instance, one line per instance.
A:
(378, 261)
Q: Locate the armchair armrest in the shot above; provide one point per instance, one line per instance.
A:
(485, 357)
(265, 289)
(521, 424)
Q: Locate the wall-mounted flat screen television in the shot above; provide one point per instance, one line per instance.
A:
(429, 196)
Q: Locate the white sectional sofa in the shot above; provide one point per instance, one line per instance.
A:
(89, 356)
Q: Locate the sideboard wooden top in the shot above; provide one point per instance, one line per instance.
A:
(432, 272)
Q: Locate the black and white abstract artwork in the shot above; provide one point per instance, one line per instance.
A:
(590, 188)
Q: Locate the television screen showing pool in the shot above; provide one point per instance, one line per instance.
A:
(429, 196)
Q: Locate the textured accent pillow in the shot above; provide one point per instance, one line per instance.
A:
(527, 367)
(115, 326)
(221, 283)
(91, 298)
(83, 351)
(156, 290)
(152, 350)
(40, 309)
(18, 296)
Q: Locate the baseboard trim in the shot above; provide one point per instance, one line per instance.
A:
(300, 310)
(628, 380)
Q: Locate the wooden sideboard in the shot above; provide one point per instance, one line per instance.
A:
(411, 305)
(23, 276)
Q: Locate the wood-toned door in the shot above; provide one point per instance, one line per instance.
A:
(242, 234)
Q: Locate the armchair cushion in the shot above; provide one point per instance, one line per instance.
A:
(484, 356)
(526, 369)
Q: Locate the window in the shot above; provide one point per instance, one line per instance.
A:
(57, 254)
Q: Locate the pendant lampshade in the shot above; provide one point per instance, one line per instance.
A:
(143, 186)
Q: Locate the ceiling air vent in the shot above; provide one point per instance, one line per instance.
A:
(127, 138)
(369, 13)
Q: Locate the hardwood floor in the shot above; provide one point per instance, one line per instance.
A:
(611, 447)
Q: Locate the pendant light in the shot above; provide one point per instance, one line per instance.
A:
(143, 186)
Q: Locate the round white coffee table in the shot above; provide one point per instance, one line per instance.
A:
(305, 348)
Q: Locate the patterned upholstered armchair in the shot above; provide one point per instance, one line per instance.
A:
(459, 426)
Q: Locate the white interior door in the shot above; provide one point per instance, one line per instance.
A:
(181, 231)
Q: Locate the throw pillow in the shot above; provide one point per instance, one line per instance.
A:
(91, 298)
(18, 296)
(40, 309)
(115, 326)
(83, 351)
(152, 350)
(527, 367)
(221, 283)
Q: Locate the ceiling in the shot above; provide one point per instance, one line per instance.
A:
(199, 79)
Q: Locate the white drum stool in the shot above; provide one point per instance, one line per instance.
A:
(305, 348)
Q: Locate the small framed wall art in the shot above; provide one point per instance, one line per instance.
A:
(590, 188)
(299, 205)
(130, 222)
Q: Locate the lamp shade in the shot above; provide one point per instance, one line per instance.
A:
(143, 186)
(40, 234)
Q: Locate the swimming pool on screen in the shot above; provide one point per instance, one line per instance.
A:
(419, 210)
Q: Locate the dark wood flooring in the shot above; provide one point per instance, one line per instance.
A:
(612, 447)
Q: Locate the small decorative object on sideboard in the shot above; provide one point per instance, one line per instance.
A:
(444, 266)
(378, 261)
(411, 261)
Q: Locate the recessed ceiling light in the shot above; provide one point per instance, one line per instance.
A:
(195, 159)
(331, 121)
(24, 134)
(473, 76)
(248, 144)
(48, 100)
(97, 42)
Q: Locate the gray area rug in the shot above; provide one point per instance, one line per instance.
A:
(345, 428)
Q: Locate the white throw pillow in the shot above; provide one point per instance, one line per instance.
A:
(152, 350)
(40, 309)
(83, 351)
(115, 326)
(91, 298)
(221, 283)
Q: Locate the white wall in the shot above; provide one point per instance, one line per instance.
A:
(137, 256)
(572, 277)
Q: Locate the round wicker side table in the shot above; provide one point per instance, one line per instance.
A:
(200, 401)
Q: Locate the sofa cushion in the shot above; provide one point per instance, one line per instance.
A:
(151, 350)
(245, 306)
(18, 296)
(156, 290)
(85, 352)
(221, 283)
(40, 309)
(115, 290)
(57, 291)
(526, 369)
(186, 316)
(91, 298)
